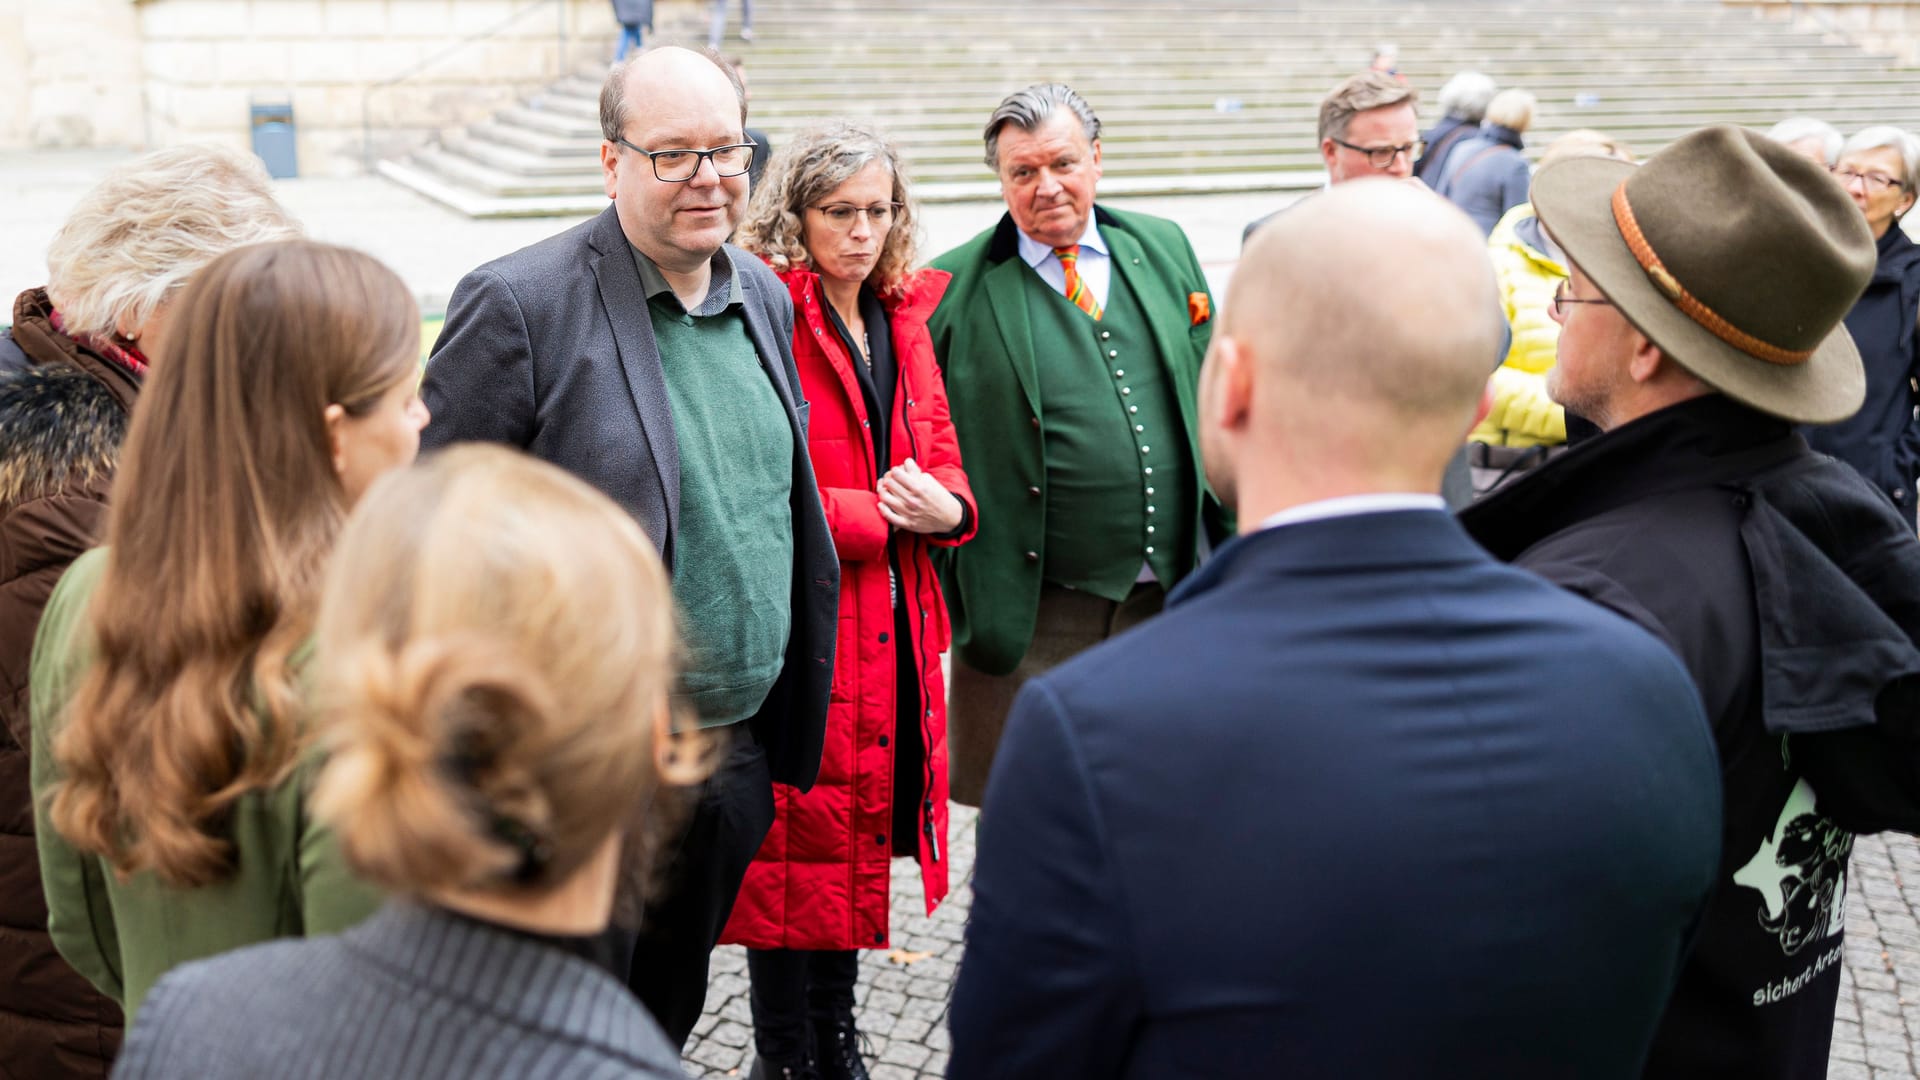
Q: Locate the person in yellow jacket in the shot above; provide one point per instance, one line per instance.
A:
(1525, 425)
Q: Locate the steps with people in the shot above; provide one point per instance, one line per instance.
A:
(1195, 96)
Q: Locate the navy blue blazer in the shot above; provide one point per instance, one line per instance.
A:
(1361, 803)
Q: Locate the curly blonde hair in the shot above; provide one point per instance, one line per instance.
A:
(146, 228)
(806, 171)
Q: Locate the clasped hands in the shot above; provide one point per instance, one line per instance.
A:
(915, 502)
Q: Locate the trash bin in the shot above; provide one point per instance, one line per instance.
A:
(273, 138)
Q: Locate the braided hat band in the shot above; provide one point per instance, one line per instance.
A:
(1693, 306)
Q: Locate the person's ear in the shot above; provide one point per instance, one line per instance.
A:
(1647, 360)
(335, 416)
(1327, 151)
(1486, 405)
(1227, 377)
(610, 167)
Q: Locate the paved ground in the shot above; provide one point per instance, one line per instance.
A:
(902, 993)
(901, 1001)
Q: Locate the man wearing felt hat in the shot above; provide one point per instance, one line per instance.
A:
(1702, 322)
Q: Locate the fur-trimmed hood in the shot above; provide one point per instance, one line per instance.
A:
(60, 430)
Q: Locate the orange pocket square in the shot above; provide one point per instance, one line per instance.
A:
(1199, 308)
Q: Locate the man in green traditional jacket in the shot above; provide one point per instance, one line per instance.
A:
(1071, 336)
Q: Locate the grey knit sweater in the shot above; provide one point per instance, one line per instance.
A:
(412, 992)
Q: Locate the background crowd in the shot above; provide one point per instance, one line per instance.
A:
(505, 742)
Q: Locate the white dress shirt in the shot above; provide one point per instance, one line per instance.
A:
(1353, 505)
(1096, 263)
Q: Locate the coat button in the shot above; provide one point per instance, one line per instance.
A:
(883, 639)
(879, 938)
(879, 838)
(883, 740)
(1033, 556)
(1036, 423)
(1033, 490)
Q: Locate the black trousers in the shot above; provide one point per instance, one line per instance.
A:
(792, 988)
(682, 924)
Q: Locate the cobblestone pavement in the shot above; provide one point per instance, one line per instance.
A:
(903, 992)
(901, 1001)
(1878, 1021)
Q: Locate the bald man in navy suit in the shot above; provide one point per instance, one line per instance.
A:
(1363, 802)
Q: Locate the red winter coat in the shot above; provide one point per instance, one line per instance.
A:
(821, 878)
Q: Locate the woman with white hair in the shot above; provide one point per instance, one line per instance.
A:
(70, 370)
(1463, 104)
(1880, 168)
(1816, 139)
(1487, 175)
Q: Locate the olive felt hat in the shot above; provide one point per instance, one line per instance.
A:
(1736, 256)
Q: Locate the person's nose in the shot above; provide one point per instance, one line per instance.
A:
(862, 228)
(706, 174)
(417, 409)
(1047, 186)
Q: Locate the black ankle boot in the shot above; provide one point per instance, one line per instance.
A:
(838, 1043)
(801, 1068)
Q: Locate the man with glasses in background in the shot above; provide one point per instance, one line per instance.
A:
(1368, 128)
(1071, 336)
(642, 353)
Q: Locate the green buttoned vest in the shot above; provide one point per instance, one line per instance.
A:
(1009, 351)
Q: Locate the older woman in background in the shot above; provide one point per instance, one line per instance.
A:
(1487, 175)
(835, 220)
(496, 650)
(1525, 426)
(70, 369)
(1463, 104)
(1814, 139)
(1880, 168)
(169, 709)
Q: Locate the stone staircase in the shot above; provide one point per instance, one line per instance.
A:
(1194, 95)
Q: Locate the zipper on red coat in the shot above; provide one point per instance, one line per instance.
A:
(920, 679)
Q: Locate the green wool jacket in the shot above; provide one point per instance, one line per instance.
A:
(123, 934)
(984, 340)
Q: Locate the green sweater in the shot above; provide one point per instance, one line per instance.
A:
(123, 935)
(733, 544)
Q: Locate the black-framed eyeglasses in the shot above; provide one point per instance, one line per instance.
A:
(680, 166)
(1872, 181)
(1381, 157)
(841, 216)
(1561, 300)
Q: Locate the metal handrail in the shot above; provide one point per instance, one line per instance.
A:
(366, 94)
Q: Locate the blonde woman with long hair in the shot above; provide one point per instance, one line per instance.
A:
(496, 648)
(169, 735)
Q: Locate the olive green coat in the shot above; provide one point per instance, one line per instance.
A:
(986, 346)
(289, 880)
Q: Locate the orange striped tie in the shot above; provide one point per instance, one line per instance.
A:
(1077, 290)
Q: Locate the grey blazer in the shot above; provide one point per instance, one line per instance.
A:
(412, 992)
(550, 350)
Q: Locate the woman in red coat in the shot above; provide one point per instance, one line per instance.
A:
(834, 220)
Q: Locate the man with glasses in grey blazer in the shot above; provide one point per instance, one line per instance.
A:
(641, 352)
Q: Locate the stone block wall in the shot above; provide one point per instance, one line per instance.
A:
(148, 73)
(395, 69)
(70, 74)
